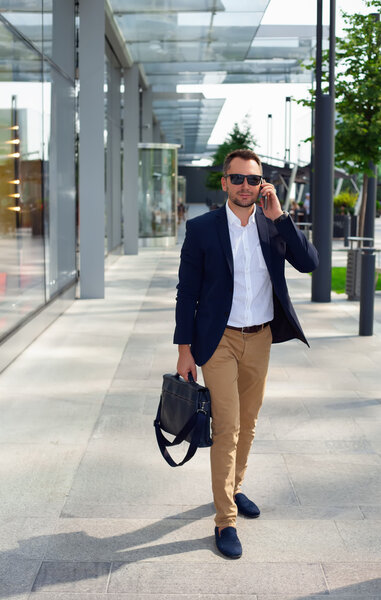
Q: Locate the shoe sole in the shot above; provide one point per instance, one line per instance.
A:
(234, 557)
(248, 516)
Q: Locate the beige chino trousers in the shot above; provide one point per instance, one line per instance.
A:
(236, 377)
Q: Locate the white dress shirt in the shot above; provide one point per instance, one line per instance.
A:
(253, 293)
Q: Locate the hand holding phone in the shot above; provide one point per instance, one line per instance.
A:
(269, 200)
(265, 199)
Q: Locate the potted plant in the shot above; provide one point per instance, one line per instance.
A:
(344, 204)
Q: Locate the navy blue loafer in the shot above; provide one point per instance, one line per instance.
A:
(246, 507)
(228, 543)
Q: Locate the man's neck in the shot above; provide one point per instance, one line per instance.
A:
(241, 212)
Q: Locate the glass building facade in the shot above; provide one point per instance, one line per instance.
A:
(37, 159)
(40, 139)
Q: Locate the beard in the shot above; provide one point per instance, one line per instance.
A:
(243, 204)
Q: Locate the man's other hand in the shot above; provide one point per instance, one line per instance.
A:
(186, 363)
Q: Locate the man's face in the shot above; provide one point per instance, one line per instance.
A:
(243, 195)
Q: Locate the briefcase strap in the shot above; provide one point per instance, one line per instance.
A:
(197, 422)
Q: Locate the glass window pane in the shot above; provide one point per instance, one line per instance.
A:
(21, 163)
(157, 192)
(59, 180)
(165, 6)
(27, 17)
(39, 21)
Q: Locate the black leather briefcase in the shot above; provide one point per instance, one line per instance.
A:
(184, 411)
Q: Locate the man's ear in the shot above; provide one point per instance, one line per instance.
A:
(223, 184)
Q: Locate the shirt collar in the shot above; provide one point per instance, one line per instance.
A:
(234, 220)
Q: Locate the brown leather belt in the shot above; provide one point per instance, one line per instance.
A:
(251, 329)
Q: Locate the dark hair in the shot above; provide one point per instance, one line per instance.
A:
(240, 153)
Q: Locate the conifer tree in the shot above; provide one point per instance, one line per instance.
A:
(238, 138)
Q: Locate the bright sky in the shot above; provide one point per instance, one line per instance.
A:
(256, 101)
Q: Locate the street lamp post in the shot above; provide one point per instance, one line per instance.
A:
(287, 130)
(269, 135)
(370, 212)
(371, 201)
(368, 259)
(322, 205)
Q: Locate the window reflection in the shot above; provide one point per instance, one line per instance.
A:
(33, 18)
(59, 180)
(37, 169)
(157, 191)
(21, 204)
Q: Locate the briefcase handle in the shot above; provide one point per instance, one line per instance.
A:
(190, 378)
(197, 422)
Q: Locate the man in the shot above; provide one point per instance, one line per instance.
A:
(232, 303)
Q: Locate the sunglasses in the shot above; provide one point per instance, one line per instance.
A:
(238, 179)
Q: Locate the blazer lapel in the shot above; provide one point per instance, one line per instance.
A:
(263, 233)
(223, 232)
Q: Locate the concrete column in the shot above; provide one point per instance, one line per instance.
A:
(147, 117)
(60, 239)
(113, 159)
(63, 43)
(91, 148)
(131, 160)
(108, 155)
(116, 167)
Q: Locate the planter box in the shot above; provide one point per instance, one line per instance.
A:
(338, 225)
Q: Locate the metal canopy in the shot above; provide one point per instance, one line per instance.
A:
(187, 42)
(205, 42)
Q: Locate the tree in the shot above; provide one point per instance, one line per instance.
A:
(236, 139)
(358, 85)
(358, 97)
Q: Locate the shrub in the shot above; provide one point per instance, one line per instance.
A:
(344, 203)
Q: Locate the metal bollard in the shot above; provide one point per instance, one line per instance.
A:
(368, 265)
(347, 229)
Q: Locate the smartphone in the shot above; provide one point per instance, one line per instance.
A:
(265, 200)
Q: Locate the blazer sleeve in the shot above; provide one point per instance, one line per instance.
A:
(300, 253)
(189, 286)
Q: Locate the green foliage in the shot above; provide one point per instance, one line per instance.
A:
(213, 180)
(357, 89)
(358, 98)
(339, 275)
(238, 138)
(373, 4)
(344, 203)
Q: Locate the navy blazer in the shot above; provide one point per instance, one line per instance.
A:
(205, 288)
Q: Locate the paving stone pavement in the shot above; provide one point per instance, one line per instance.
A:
(88, 507)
